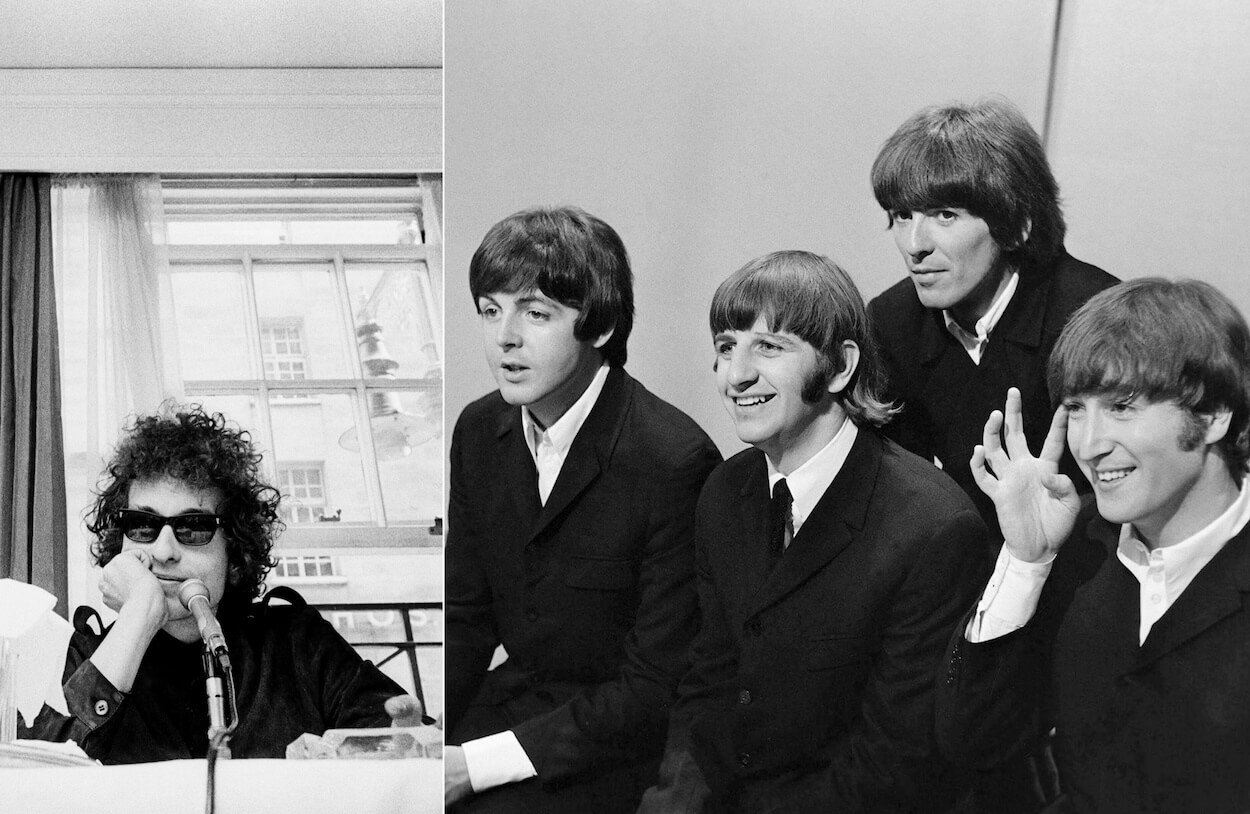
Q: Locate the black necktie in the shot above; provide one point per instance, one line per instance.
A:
(778, 521)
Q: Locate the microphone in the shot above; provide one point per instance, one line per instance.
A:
(194, 597)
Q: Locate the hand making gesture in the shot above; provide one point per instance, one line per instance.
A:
(1036, 505)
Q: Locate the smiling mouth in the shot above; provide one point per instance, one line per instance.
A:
(1106, 476)
(751, 401)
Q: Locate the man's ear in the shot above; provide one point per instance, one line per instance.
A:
(1024, 233)
(850, 362)
(1217, 426)
(603, 338)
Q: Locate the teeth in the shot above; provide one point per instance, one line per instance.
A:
(1112, 475)
(750, 401)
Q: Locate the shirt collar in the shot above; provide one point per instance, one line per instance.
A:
(1183, 560)
(564, 430)
(972, 341)
(809, 481)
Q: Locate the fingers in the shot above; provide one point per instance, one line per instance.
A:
(992, 446)
(1060, 486)
(1013, 422)
(144, 557)
(405, 710)
(1056, 436)
(985, 481)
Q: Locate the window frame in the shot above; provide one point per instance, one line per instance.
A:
(241, 258)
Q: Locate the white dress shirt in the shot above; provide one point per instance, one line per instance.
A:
(550, 446)
(1010, 598)
(499, 759)
(809, 481)
(974, 343)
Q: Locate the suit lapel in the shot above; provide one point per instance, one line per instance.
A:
(591, 449)
(749, 547)
(833, 524)
(1022, 323)
(1215, 593)
(518, 476)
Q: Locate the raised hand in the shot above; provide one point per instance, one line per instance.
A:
(128, 578)
(1036, 506)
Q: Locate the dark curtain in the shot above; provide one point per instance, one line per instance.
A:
(32, 462)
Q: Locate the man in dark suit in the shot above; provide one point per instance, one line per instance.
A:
(570, 534)
(825, 609)
(974, 209)
(1125, 624)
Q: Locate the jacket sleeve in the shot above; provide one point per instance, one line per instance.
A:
(911, 427)
(682, 787)
(613, 720)
(94, 703)
(471, 636)
(353, 691)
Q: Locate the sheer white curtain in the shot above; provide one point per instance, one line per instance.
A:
(117, 355)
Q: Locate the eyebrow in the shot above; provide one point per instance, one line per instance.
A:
(189, 510)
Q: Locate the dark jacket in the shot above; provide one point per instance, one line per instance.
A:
(1160, 727)
(946, 398)
(591, 595)
(293, 675)
(812, 684)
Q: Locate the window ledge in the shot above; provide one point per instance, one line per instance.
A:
(307, 580)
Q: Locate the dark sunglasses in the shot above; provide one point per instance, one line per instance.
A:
(189, 529)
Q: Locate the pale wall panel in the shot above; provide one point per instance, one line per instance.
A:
(706, 134)
(1152, 133)
(222, 120)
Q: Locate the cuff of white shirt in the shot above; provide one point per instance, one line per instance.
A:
(1010, 598)
(496, 760)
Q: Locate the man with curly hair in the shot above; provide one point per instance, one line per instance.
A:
(183, 499)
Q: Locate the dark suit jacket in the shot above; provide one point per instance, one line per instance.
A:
(812, 684)
(592, 595)
(1160, 727)
(946, 398)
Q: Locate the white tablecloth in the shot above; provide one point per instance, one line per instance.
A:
(413, 786)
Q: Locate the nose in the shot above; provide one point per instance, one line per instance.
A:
(915, 239)
(165, 548)
(740, 370)
(1088, 436)
(506, 333)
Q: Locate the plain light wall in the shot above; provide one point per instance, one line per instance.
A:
(706, 134)
(1151, 137)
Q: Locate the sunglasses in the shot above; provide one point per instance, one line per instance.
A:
(189, 529)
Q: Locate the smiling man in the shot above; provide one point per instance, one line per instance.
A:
(974, 210)
(570, 534)
(825, 607)
(1125, 624)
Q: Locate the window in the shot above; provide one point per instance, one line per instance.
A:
(296, 567)
(303, 485)
(282, 348)
(308, 311)
(319, 328)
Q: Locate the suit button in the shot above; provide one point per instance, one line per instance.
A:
(744, 697)
(101, 707)
(532, 615)
(744, 759)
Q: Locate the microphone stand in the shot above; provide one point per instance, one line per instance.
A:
(219, 686)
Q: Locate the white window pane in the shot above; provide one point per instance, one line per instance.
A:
(412, 482)
(392, 297)
(209, 314)
(310, 430)
(299, 308)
